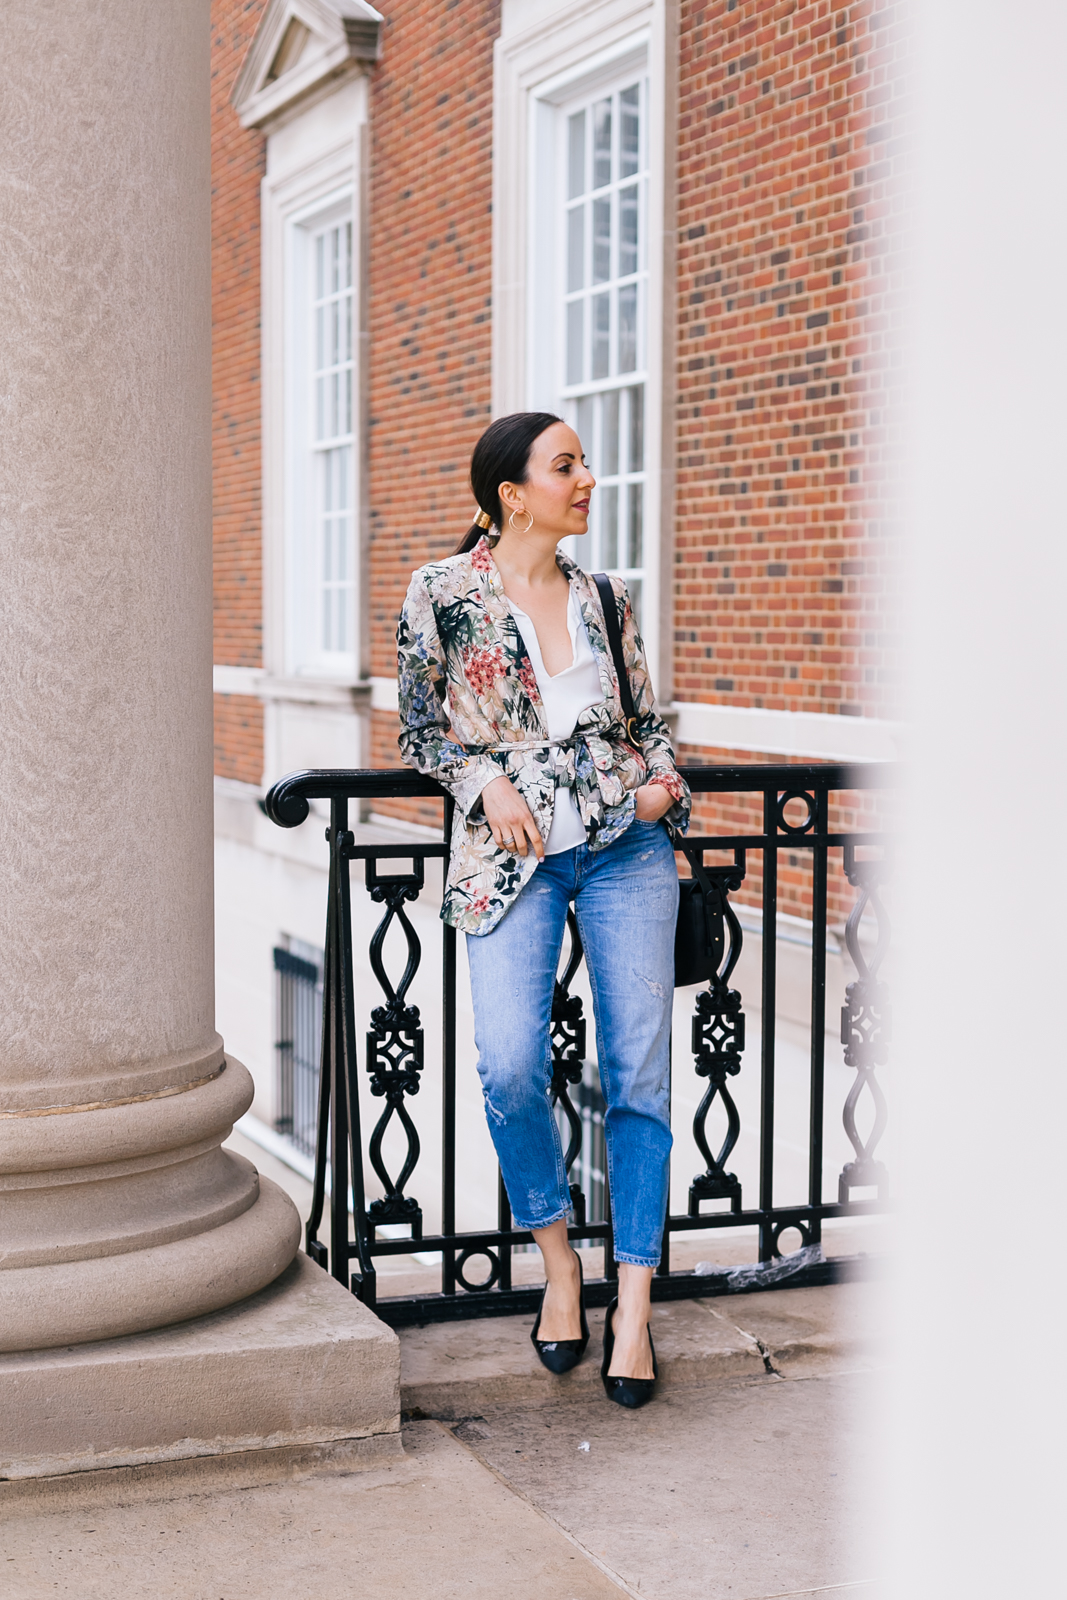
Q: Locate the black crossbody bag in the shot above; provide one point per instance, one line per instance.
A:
(699, 938)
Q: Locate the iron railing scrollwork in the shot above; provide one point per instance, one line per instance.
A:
(718, 1040)
(395, 1045)
(567, 1033)
(865, 1027)
(795, 819)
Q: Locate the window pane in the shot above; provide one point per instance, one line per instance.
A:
(611, 432)
(575, 322)
(601, 335)
(576, 248)
(601, 143)
(584, 429)
(605, 272)
(636, 462)
(627, 230)
(629, 132)
(601, 240)
(628, 328)
(331, 376)
(576, 155)
(636, 588)
(609, 527)
(634, 538)
(335, 535)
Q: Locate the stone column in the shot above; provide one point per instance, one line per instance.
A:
(119, 1211)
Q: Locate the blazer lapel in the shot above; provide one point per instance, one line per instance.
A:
(504, 632)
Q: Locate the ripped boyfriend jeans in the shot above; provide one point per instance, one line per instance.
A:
(626, 904)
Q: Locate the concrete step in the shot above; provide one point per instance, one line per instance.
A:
(456, 1370)
(430, 1521)
(301, 1364)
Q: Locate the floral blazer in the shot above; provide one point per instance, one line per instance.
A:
(468, 693)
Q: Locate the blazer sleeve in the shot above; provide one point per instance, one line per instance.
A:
(652, 731)
(426, 741)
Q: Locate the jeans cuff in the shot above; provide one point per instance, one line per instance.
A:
(637, 1261)
(566, 1215)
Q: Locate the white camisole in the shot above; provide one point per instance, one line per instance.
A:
(564, 698)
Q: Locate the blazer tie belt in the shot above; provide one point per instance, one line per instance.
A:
(583, 761)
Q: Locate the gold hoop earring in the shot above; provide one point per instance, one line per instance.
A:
(529, 525)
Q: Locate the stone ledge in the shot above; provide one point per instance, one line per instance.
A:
(454, 1370)
(196, 1475)
(807, 1330)
(301, 1363)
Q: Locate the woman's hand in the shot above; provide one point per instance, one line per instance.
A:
(652, 802)
(510, 819)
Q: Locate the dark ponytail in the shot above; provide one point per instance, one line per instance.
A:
(502, 455)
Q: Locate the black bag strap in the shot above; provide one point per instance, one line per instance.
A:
(707, 893)
(610, 608)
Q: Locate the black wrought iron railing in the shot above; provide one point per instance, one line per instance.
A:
(794, 823)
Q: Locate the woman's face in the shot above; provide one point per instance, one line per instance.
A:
(558, 485)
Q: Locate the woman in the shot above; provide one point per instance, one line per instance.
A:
(508, 696)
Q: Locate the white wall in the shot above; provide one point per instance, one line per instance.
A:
(978, 1404)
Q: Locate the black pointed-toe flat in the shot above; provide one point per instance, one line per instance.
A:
(628, 1392)
(560, 1355)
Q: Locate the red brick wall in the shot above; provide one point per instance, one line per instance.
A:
(239, 737)
(782, 580)
(861, 810)
(429, 312)
(430, 280)
(237, 164)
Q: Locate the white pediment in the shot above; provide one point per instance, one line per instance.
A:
(298, 46)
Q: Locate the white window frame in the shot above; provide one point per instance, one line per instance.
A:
(314, 164)
(304, 655)
(563, 54)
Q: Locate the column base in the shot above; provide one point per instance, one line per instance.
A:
(130, 1216)
(300, 1363)
(109, 1296)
